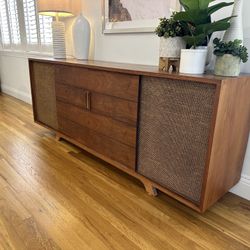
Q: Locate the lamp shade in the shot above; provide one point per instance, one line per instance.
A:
(61, 8)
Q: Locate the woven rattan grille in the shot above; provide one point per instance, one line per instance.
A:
(44, 91)
(174, 127)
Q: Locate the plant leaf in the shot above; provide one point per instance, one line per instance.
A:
(210, 28)
(193, 16)
(218, 6)
(203, 4)
(190, 4)
(195, 40)
(195, 4)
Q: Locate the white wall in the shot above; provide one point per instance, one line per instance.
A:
(15, 75)
(130, 48)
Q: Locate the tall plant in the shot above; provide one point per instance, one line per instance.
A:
(197, 18)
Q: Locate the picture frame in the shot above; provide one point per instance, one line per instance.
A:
(133, 26)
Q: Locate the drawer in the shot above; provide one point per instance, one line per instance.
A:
(106, 126)
(103, 145)
(120, 85)
(113, 107)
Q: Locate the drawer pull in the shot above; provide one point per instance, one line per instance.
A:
(88, 100)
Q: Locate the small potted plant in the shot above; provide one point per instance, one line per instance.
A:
(197, 18)
(171, 33)
(229, 56)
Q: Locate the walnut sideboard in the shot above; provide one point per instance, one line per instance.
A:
(183, 135)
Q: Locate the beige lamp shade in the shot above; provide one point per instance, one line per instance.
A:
(61, 8)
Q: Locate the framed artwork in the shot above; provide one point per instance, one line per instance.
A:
(129, 16)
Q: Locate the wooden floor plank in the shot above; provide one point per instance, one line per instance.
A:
(54, 196)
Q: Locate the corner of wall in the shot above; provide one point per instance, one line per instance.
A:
(242, 189)
(23, 96)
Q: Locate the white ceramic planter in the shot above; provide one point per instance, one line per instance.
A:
(227, 65)
(193, 61)
(171, 47)
(81, 37)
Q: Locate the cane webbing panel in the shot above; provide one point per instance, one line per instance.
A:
(44, 93)
(174, 127)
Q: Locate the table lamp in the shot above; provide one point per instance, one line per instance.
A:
(57, 9)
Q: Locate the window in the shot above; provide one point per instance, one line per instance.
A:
(45, 30)
(5, 34)
(14, 22)
(30, 21)
(21, 27)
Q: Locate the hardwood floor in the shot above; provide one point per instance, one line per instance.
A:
(53, 196)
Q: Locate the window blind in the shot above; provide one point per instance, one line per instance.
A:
(22, 28)
(30, 21)
(45, 30)
(4, 26)
(14, 22)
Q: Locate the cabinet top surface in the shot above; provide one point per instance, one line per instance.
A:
(135, 69)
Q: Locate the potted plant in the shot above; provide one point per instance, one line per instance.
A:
(171, 32)
(197, 18)
(229, 56)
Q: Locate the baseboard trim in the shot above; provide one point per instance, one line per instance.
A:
(242, 189)
(26, 97)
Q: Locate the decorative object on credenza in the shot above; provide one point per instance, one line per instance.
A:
(229, 56)
(197, 18)
(129, 16)
(236, 28)
(193, 61)
(166, 63)
(81, 38)
(171, 42)
(57, 9)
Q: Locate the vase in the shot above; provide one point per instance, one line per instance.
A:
(235, 30)
(171, 46)
(193, 61)
(81, 38)
(227, 65)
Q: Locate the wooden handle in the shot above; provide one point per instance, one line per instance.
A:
(88, 100)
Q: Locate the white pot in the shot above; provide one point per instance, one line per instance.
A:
(193, 61)
(171, 46)
(81, 37)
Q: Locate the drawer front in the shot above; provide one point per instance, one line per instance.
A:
(109, 83)
(106, 146)
(105, 126)
(113, 107)
(99, 110)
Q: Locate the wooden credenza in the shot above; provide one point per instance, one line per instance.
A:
(183, 135)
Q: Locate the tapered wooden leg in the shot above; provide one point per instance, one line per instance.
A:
(151, 190)
(58, 137)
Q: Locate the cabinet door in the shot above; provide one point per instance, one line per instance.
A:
(174, 128)
(43, 93)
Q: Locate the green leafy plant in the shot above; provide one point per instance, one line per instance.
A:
(197, 18)
(234, 48)
(170, 28)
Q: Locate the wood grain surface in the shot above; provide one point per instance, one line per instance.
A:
(97, 106)
(115, 84)
(55, 196)
(134, 69)
(110, 106)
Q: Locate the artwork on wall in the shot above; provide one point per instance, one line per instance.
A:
(129, 16)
